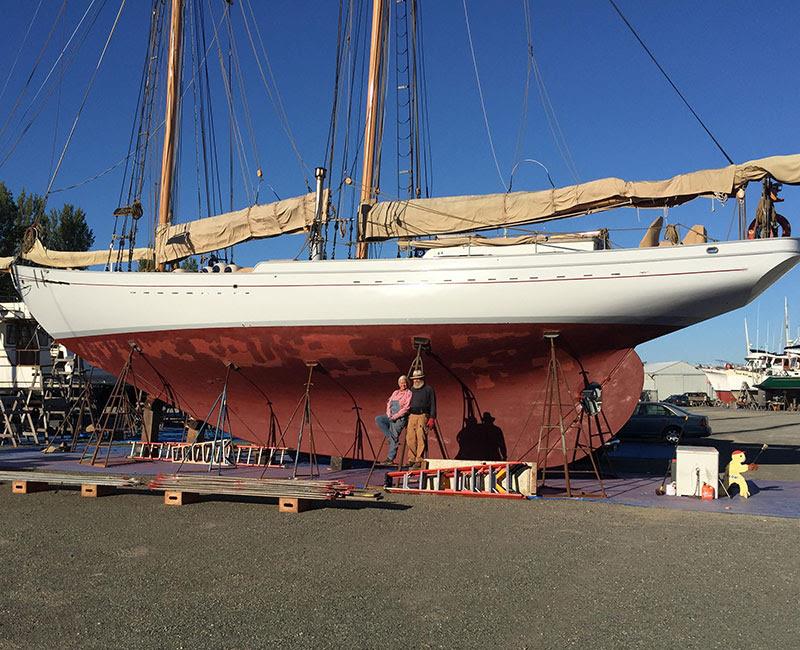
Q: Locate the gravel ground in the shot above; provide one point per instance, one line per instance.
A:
(126, 571)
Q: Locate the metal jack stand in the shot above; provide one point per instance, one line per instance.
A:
(117, 415)
(222, 425)
(360, 434)
(306, 421)
(555, 378)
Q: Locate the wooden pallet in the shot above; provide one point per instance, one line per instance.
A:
(94, 485)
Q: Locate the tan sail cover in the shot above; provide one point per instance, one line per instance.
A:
(478, 240)
(71, 259)
(177, 241)
(464, 213)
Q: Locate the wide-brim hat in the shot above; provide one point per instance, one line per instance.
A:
(417, 374)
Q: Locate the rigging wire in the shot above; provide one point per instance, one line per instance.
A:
(20, 48)
(480, 93)
(671, 83)
(83, 101)
(215, 182)
(57, 61)
(236, 131)
(273, 93)
(527, 86)
(36, 63)
(147, 139)
(127, 215)
(330, 147)
(197, 99)
(427, 155)
(248, 118)
(22, 132)
(547, 105)
(58, 109)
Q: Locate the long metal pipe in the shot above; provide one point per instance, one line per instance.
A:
(171, 115)
(371, 121)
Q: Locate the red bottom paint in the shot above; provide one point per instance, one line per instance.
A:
(490, 382)
(725, 396)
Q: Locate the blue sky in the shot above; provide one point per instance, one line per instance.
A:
(735, 63)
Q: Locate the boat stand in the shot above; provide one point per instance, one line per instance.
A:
(275, 435)
(550, 425)
(221, 443)
(118, 416)
(306, 423)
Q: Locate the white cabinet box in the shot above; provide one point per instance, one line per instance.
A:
(695, 466)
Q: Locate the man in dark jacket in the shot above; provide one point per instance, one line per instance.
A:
(422, 416)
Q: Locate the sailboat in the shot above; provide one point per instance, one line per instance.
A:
(483, 314)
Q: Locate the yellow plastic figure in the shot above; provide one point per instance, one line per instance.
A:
(734, 471)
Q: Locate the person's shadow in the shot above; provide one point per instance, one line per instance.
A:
(482, 440)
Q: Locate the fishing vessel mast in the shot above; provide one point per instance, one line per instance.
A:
(371, 120)
(171, 116)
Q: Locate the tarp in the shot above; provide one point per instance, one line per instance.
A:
(72, 259)
(465, 213)
(478, 240)
(177, 241)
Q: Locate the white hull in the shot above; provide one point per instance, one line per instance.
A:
(732, 380)
(670, 287)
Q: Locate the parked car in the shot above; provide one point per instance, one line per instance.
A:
(698, 399)
(662, 421)
(678, 400)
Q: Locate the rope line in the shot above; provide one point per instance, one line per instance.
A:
(83, 101)
(671, 83)
(480, 93)
(21, 47)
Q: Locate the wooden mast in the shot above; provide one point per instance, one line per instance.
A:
(171, 115)
(371, 122)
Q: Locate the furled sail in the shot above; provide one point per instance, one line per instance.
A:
(479, 240)
(458, 214)
(71, 259)
(177, 241)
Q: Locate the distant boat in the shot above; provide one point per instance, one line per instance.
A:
(762, 370)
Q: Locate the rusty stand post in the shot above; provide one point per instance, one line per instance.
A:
(360, 434)
(223, 421)
(307, 421)
(274, 426)
(553, 398)
(116, 412)
(86, 409)
(592, 431)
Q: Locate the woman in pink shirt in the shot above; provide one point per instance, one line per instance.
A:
(396, 418)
